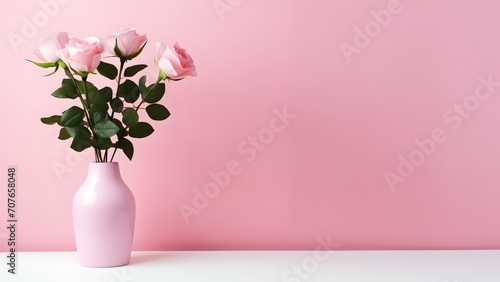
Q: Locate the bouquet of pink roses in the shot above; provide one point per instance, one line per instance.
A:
(106, 119)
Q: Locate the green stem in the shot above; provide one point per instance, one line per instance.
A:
(91, 121)
(86, 109)
(146, 95)
(113, 155)
(119, 78)
(122, 63)
(137, 108)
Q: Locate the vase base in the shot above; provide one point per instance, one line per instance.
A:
(104, 265)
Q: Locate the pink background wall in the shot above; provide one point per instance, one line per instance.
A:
(362, 94)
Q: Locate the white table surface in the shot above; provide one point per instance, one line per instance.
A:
(263, 266)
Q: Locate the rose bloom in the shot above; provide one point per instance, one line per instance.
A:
(83, 56)
(128, 41)
(175, 63)
(49, 47)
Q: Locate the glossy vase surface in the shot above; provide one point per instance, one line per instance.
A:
(104, 218)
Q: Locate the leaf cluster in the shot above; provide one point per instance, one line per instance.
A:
(105, 119)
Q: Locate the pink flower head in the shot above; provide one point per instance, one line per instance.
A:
(128, 42)
(49, 47)
(83, 56)
(175, 63)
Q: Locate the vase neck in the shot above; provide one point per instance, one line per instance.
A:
(104, 170)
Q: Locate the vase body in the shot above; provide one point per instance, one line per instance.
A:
(104, 218)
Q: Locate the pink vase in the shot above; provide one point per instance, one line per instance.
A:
(104, 218)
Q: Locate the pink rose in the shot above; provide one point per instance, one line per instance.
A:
(175, 64)
(49, 47)
(128, 42)
(83, 56)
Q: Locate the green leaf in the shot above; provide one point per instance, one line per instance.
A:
(129, 91)
(97, 105)
(105, 128)
(117, 105)
(98, 99)
(72, 117)
(133, 70)
(107, 70)
(106, 94)
(130, 117)
(81, 142)
(98, 116)
(141, 130)
(126, 146)
(78, 130)
(103, 143)
(157, 112)
(51, 120)
(118, 123)
(81, 137)
(121, 132)
(91, 89)
(142, 84)
(63, 134)
(66, 91)
(155, 93)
